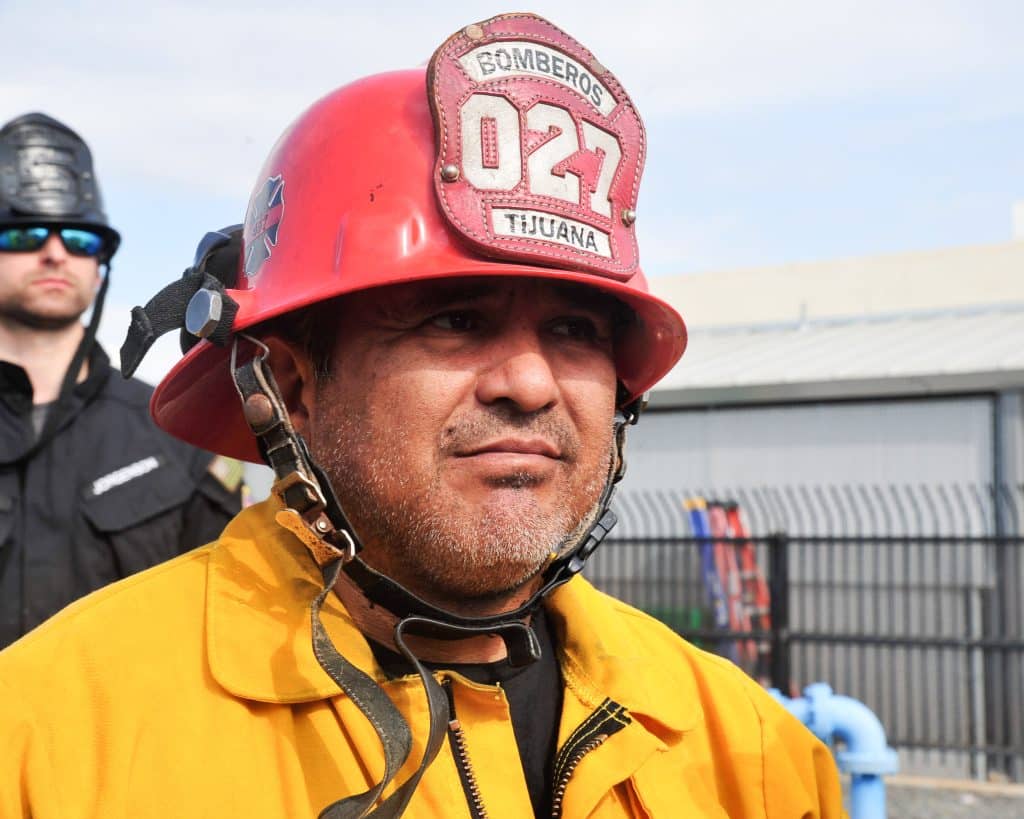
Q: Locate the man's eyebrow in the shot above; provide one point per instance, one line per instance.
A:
(430, 297)
(439, 294)
(585, 296)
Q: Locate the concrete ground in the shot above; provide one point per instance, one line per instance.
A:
(919, 798)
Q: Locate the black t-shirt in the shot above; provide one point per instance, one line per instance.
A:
(534, 695)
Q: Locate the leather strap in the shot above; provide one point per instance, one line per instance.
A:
(297, 486)
(389, 724)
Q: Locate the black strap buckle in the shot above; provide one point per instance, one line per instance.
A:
(197, 301)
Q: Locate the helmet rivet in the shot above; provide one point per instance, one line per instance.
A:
(473, 31)
(450, 172)
(628, 216)
(258, 411)
(322, 525)
(203, 312)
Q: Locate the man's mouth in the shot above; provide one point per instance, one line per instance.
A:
(52, 281)
(513, 447)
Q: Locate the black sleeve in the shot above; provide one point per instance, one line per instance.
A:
(208, 511)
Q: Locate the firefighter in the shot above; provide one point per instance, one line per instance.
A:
(436, 333)
(90, 489)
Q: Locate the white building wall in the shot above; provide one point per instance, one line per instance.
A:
(878, 442)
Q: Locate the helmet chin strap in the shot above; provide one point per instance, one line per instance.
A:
(311, 511)
(420, 618)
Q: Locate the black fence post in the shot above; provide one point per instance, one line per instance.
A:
(778, 561)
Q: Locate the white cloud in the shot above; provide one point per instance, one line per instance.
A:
(193, 95)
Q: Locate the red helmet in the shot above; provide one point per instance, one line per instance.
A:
(347, 202)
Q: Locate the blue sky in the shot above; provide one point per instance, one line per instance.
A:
(777, 132)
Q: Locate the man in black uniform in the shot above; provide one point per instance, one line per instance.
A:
(90, 490)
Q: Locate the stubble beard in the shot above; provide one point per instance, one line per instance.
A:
(428, 538)
(16, 310)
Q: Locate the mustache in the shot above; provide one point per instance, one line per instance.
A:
(472, 432)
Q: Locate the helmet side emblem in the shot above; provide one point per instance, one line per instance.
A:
(263, 223)
(540, 150)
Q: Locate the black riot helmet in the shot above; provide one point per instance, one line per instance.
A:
(47, 178)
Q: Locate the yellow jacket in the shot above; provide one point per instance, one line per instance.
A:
(191, 690)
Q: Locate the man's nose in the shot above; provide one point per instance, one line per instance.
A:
(53, 251)
(519, 372)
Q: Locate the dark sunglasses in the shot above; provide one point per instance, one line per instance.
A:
(76, 241)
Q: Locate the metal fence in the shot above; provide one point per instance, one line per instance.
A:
(909, 598)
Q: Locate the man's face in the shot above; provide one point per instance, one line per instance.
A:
(46, 288)
(467, 427)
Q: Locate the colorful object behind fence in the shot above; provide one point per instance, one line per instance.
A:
(698, 512)
(737, 592)
(754, 593)
(742, 652)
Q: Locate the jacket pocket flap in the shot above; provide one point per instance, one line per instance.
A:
(126, 496)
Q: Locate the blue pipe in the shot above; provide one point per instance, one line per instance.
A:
(866, 756)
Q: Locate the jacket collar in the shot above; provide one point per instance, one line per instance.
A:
(260, 584)
(16, 389)
(611, 650)
(261, 581)
(17, 438)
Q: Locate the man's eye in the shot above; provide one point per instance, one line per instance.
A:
(578, 328)
(455, 320)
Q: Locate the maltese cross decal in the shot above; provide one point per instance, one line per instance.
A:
(262, 223)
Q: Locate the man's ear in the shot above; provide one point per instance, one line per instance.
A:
(294, 374)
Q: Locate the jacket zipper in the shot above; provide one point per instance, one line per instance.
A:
(567, 772)
(609, 718)
(457, 738)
